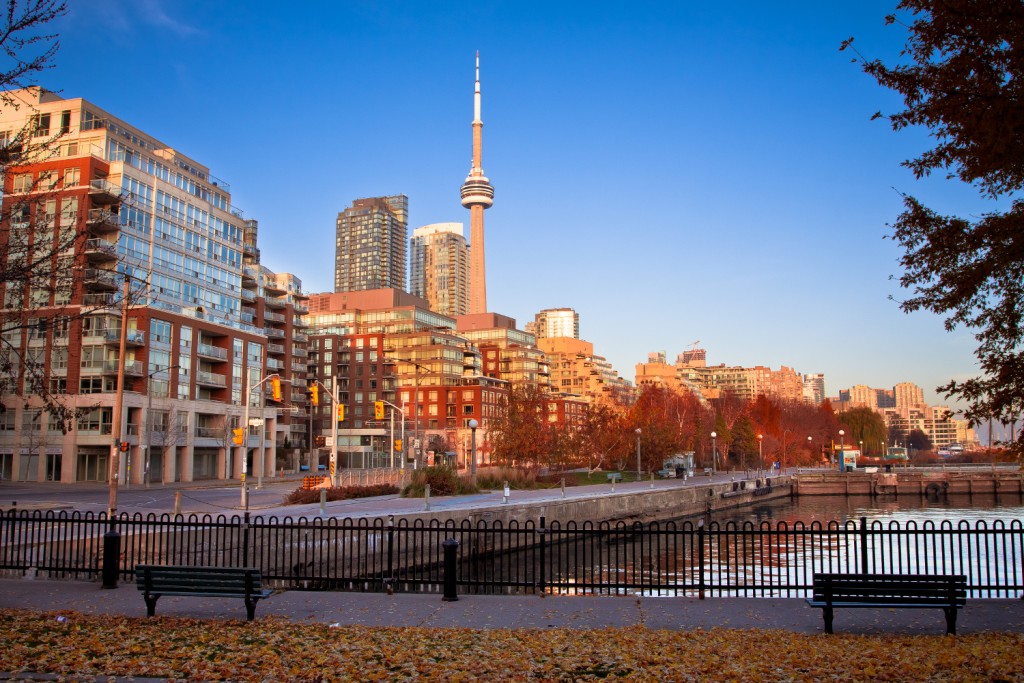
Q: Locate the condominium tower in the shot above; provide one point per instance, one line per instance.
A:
(142, 361)
(439, 268)
(369, 245)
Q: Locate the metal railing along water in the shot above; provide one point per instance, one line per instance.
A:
(656, 559)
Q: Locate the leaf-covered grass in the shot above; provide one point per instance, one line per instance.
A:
(303, 496)
(273, 649)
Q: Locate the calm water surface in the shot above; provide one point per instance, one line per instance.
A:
(885, 509)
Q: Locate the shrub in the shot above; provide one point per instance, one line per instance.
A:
(495, 478)
(444, 481)
(305, 496)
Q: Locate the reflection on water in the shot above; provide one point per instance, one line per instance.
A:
(885, 509)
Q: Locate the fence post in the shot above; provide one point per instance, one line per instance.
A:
(111, 554)
(451, 547)
(541, 578)
(864, 545)
(391, 556)
(700, 559)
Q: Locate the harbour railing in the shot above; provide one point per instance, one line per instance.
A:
(673, 558)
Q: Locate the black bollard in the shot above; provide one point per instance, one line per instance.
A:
(111, 556)
(451, 548)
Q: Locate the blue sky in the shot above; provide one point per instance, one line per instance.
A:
(673, 171)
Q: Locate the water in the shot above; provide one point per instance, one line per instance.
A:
(976, 508)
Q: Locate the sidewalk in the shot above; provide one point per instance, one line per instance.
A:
(528, 611)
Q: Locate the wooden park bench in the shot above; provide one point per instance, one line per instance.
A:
(945, 591)
(213, 582)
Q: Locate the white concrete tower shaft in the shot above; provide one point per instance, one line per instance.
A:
(477, 195)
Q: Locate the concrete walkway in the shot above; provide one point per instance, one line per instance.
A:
(528, 611)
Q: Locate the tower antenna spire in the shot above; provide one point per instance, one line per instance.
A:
(477, 195)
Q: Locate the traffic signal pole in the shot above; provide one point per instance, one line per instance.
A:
(338, 414)
(245, 438)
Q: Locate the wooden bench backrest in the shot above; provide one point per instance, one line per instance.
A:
(214, 580)
(889, 588)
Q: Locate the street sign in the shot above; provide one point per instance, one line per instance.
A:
(329, 441)
(255, 421)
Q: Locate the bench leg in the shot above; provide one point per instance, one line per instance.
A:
(150, 604)
(950, 620)
(827, 613)
(250, 608)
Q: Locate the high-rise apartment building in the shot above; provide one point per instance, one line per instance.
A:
(908, 396)
(814, 388)
(370, 244)
(439, 267)
(160, 339)
(556, 322)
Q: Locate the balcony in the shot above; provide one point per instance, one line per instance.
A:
(249, 275)
(300, 367)
(96, 279)
(274, 364)
(131, 338)
(102, 220)
(298, 427)
(299, 337)
(271, 287)
(210, 432)
(276, 349)
(102, 301)
(275, 302)
(300, 308)
(299, 352)
(271, 332)
(248, 295)
(270, 316)
(132, 368)
(299, 321)
(99, 250)
(102, 191)
(210, 379)
(211, 352)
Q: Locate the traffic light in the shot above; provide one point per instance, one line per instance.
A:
(314, 394)
(378, 410)
(398, 445)
(320, 440)
(341, 412)
(239, 436)
(275, 386)
(123, 446)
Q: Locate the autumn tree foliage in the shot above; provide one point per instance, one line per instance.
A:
(865, 426)
(963, 81)
(520, 435)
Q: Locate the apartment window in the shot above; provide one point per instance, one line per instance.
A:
(68, 210)
(58, 385)
(72, 176)
(23, 182)
(48, 180)
(90, 385)
(467, 409)
(7, 421)
(40, 125)
(65, 121)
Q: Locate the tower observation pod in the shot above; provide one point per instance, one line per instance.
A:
(477, 195)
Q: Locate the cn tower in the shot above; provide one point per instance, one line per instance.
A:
(477, 195)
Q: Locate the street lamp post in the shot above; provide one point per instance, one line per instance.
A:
(473, 424)
(112, 537)
(245, 442)
(149, 421)
(842, 463)
(714, 452)
(809, 447)
(638, 454)
(760, 450)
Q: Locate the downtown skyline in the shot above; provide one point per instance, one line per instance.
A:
(694, 175)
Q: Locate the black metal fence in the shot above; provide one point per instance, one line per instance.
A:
(659, 558)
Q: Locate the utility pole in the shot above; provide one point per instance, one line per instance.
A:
(112, 538)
